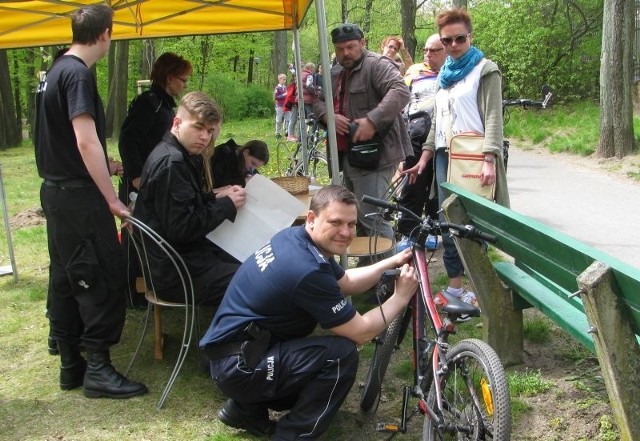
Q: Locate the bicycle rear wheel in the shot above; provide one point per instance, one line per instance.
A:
(385, 344)
(475, 396)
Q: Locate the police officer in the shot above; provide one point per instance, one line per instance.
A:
(262, 355)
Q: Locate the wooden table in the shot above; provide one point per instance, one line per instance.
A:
(306, 200)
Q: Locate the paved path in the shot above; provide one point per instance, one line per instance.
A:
(599, 210)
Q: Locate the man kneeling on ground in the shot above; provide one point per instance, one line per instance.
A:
(262, 355)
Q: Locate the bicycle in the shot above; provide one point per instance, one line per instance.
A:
(316, 154)
(525, 103)
(461, 388)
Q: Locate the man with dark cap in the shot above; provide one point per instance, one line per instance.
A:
(368, 96)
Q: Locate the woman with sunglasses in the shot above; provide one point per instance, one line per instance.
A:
(469, 99)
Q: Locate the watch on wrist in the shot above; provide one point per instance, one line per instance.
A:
(490, 158)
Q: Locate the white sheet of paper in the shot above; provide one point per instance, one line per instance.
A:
(269, 209)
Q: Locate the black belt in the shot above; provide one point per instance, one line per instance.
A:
(70, 183)
(217, 352)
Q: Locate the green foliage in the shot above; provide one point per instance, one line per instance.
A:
(527, 383)
(537, 329)
(537, 43)
(239, 101)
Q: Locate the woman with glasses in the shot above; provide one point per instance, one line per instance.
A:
(149, 117)
(469, 99)
(393, 47)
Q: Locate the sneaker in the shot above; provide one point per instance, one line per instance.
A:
(257, 425)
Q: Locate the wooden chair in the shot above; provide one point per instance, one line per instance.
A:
(144, 237)
(372, 246)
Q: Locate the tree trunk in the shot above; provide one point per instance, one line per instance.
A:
(279, 60)
(205, 48)
(616, 80)
(408, 17)
(148, 58)
(9, 132)
(366, 20)
(344, 10)
(118, 80)
(460, 3)
(250, 69)
(16, 91)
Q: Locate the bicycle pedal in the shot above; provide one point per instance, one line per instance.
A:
(387, 427)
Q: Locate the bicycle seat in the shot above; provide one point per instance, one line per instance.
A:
(453, 305)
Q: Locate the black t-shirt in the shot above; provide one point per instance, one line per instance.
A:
(286, 287)
(68, 90)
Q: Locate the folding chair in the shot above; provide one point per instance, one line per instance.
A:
(144, 237)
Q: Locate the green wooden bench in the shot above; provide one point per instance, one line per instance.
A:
(588, 293)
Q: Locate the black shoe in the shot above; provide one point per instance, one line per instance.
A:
(102, 380)
(256, 425)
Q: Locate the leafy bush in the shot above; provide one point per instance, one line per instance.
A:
(239, 101)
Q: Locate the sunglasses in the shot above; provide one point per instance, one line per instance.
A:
(346, 29)
(459, 39)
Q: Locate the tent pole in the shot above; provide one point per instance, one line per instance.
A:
(7, 227)
(302, 124)
(327, 90)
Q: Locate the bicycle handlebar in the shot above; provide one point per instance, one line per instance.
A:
(524, 102)
(465, 231)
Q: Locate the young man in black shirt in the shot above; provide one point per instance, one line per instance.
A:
(86, 305)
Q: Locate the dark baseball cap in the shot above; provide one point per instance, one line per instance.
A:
(346, 32)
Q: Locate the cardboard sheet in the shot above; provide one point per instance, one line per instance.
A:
(269, 209)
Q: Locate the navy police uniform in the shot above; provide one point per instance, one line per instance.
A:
(286, 288)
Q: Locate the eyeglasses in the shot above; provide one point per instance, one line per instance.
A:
(393, 48)
(428, 49)
(459, 39)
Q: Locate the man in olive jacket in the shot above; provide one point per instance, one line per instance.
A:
(369, 96)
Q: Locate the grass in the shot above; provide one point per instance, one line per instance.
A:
(34, 408)
(572, 128)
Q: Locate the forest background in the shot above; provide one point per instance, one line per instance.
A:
(554, 42)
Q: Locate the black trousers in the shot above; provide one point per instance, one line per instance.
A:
(415, 196)
(310, 376)
(86, 273)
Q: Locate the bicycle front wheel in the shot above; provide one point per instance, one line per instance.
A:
(475, 396)
(385, 344)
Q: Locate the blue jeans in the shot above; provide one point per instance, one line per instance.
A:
(452, 263)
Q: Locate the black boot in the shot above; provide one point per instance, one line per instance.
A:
(72, 366)
(52, 346)
(102, 379)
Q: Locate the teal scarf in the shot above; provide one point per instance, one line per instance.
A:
(455, 70)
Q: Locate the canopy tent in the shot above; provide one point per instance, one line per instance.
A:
(45, 23)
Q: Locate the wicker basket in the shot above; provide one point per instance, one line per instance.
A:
(293, 184)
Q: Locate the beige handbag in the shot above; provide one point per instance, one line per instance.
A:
(465, 164)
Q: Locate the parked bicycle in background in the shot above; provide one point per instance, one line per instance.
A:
(525, 103)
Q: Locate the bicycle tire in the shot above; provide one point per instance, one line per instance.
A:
(312, 170)
(488, 417)
(385, 344)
